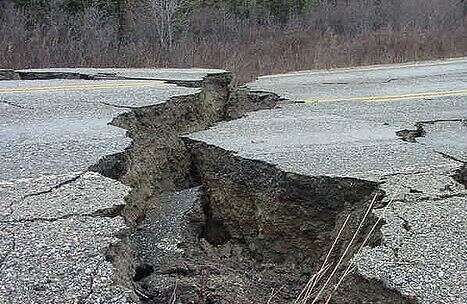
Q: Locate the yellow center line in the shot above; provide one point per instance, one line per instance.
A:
(81, 87)
(392, 97)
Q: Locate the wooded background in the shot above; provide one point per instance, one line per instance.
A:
(250, 38)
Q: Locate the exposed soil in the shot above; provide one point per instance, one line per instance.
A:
(210, 227)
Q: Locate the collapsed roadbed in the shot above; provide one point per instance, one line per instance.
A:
(208, 226)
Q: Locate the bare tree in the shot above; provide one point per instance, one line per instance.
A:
(165, 13)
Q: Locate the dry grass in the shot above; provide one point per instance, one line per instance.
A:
(348, 34)
(173, 297)
(351, 265)
(309, 292)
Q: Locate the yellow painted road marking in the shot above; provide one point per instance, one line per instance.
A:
(82, 87)
(392, 97)
(371, 68)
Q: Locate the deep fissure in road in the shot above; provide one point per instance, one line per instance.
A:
(212, 227)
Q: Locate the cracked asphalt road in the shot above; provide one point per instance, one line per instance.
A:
(53, 235)
(346, 127)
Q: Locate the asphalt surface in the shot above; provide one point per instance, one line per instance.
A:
(152, 74)
(52, 240)
(345, 126)
(53, 243)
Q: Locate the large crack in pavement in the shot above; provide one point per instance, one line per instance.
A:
(209, 226)
(204, 221)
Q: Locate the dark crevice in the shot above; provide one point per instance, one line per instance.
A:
(110, 212)
(443, 197)
(181, 83)
(460, 175)
(32, 75)
(6, 74)
(117, 106)
(157, 161)
(42, 219)
(214, 231)
(252, 214)
(143, 271)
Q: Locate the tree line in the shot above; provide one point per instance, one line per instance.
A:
(247, 37)
(280, 9)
